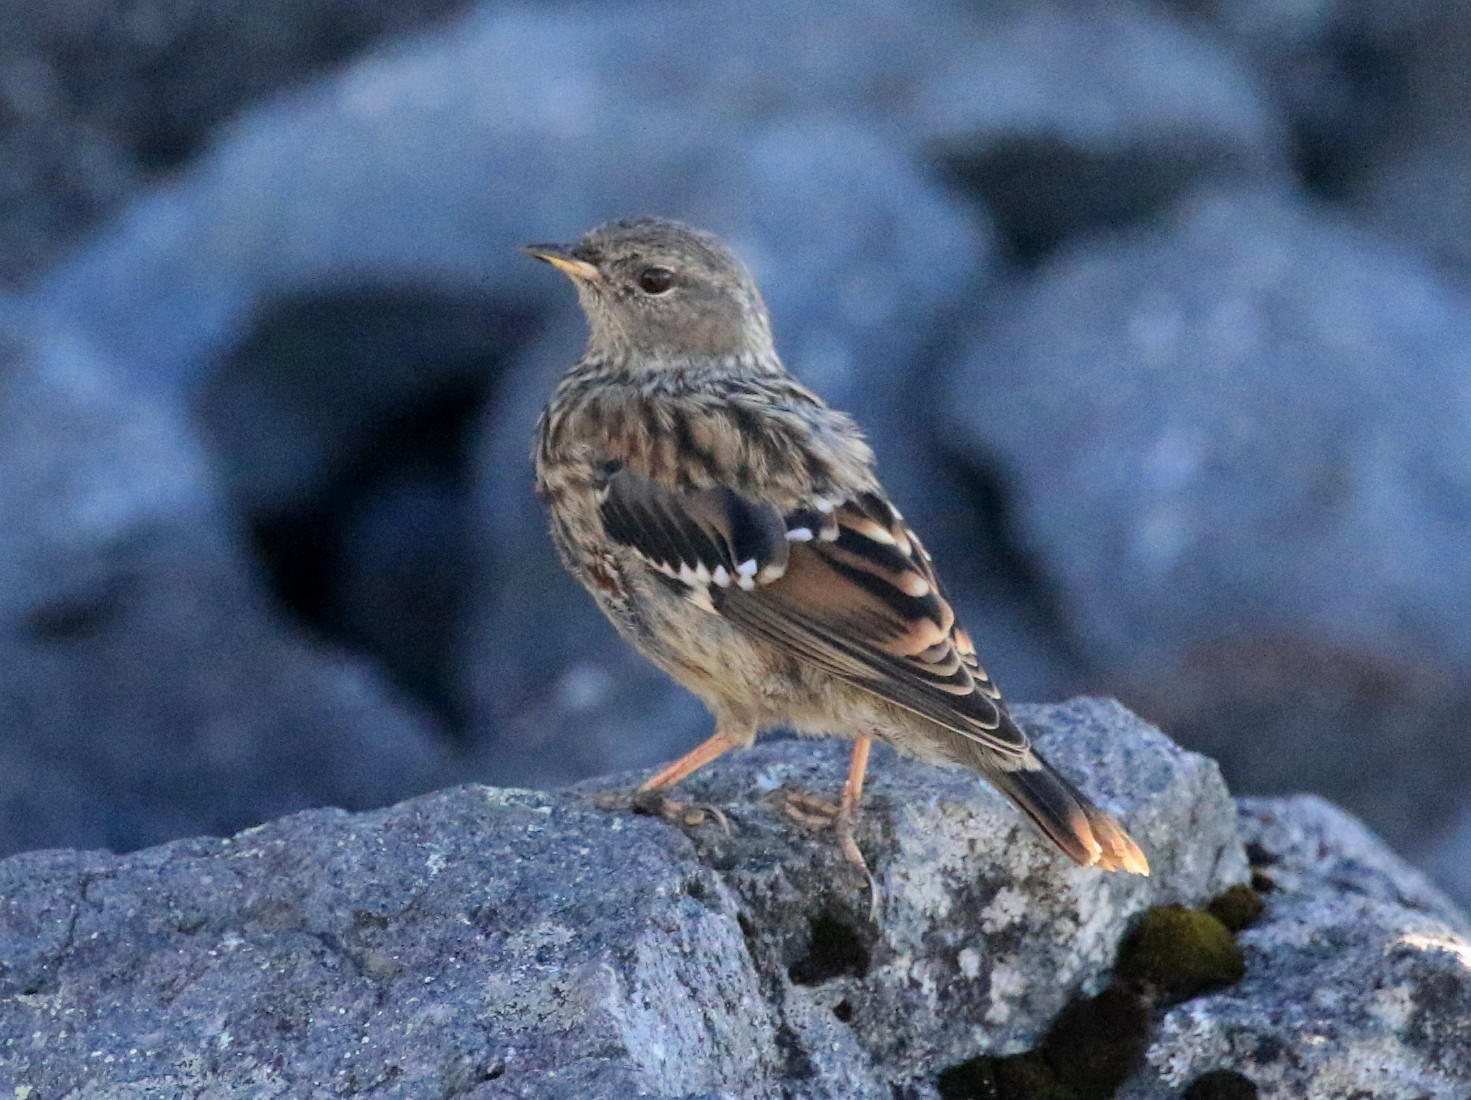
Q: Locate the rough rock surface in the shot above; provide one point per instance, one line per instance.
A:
(146, 689)
(1358, 978)
(492, 943)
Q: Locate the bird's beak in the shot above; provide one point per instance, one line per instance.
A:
(560, 257)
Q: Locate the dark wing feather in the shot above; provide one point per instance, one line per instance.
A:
(846, 586)
(866, 604)
(700, 537)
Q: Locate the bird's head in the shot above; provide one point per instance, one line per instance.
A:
(662, 294)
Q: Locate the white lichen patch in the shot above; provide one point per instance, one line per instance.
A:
(968, 961)
(1006, 908)
(1007, 985)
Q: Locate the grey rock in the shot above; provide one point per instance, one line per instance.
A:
(1356, 79)
(398, 175)
(1382, 735)
(1418, 195)
(98, 100)
(1234, 446)
(147, 690)
(1358, 978)
(1066, 117)
(496, 943)
(1448, 861)
(1147, 399)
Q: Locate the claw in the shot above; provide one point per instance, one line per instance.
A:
(690, 814)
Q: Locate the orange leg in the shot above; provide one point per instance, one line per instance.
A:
(817, 814)
(853, 785)
(716, 745)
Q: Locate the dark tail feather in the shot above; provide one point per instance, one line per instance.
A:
(1068, 817)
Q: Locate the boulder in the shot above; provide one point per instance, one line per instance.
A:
(98, 101)
(1074, 118)
(147, 688)
(491, 943)
(495, 943)
(1414, 195)
(1358, 976)
(1355, 80)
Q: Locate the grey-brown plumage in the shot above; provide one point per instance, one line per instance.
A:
(732, 528)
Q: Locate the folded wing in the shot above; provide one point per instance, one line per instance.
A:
(843, 584)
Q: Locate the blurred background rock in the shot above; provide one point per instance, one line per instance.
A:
(1157, 313)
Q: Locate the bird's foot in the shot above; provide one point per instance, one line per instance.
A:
(817, 814)
(654, 803)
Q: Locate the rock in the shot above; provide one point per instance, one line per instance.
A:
(97, 100)
(484, 942)
(1358, 977)
(1232, 445)
(146, 689)
(377, 179)
(1415, 195)
(1145, 399)
(1354, 79)
(1381, 734)
(1448, 860)
(1068, 117)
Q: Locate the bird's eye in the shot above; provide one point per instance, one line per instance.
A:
(655, 280)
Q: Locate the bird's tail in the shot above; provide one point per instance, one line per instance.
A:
(1067, 816)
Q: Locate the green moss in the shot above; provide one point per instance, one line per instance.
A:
(1221, 1084)
(1179, 953)
(1096, 1043)
(1238, 908)
(1020, 1077)
(1087, 1053)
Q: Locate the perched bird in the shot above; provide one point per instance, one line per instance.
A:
(732, 527)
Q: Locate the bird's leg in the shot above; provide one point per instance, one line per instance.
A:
(817, 814)
(717, 744)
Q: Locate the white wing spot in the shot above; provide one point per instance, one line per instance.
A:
(693, 577)
(721, 577)
(799, 534)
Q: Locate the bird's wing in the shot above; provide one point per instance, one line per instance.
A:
(843, 584)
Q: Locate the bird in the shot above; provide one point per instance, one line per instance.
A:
(732, 527)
